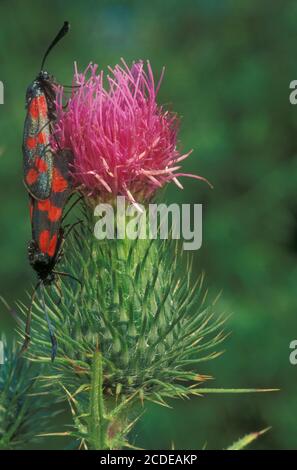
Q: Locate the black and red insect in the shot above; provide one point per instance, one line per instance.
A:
(45, 250)
(41, 114)
(47, 179)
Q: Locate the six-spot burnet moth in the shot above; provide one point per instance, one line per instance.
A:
(41, 113)
(48, 181)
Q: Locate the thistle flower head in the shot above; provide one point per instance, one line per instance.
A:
(123, 142)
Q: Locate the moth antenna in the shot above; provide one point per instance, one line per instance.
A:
(64, 30)
(49, 324)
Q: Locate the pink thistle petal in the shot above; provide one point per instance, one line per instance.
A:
(178, 184)
(123, 142)
(197, 177)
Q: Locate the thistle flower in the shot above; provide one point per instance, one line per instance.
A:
(137, 331)
(123, 142)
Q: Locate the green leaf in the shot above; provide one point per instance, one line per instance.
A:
(247, 440)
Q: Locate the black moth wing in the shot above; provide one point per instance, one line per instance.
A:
(46, 215)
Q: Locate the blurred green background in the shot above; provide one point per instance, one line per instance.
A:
(228, 69)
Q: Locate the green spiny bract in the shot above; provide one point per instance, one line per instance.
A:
(22, 411)
(150, 325)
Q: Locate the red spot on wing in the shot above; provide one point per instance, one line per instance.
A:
(31, 176)
(38, 107)
(52, 245)
(54, 214)
(33, 173)
(33, 108)
(41, 138)
(44, 240)
(41, 165)
(42, 105)
(59, 184)
(44, 205)
(31, 143)
(47, 245)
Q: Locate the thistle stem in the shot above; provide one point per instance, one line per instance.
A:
(97, 421)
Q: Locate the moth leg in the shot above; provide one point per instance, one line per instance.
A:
(60, 252)
(71, 86)
(62, 273)
(71, 227)
(71, 207)
(58, 145)
(43, 127)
